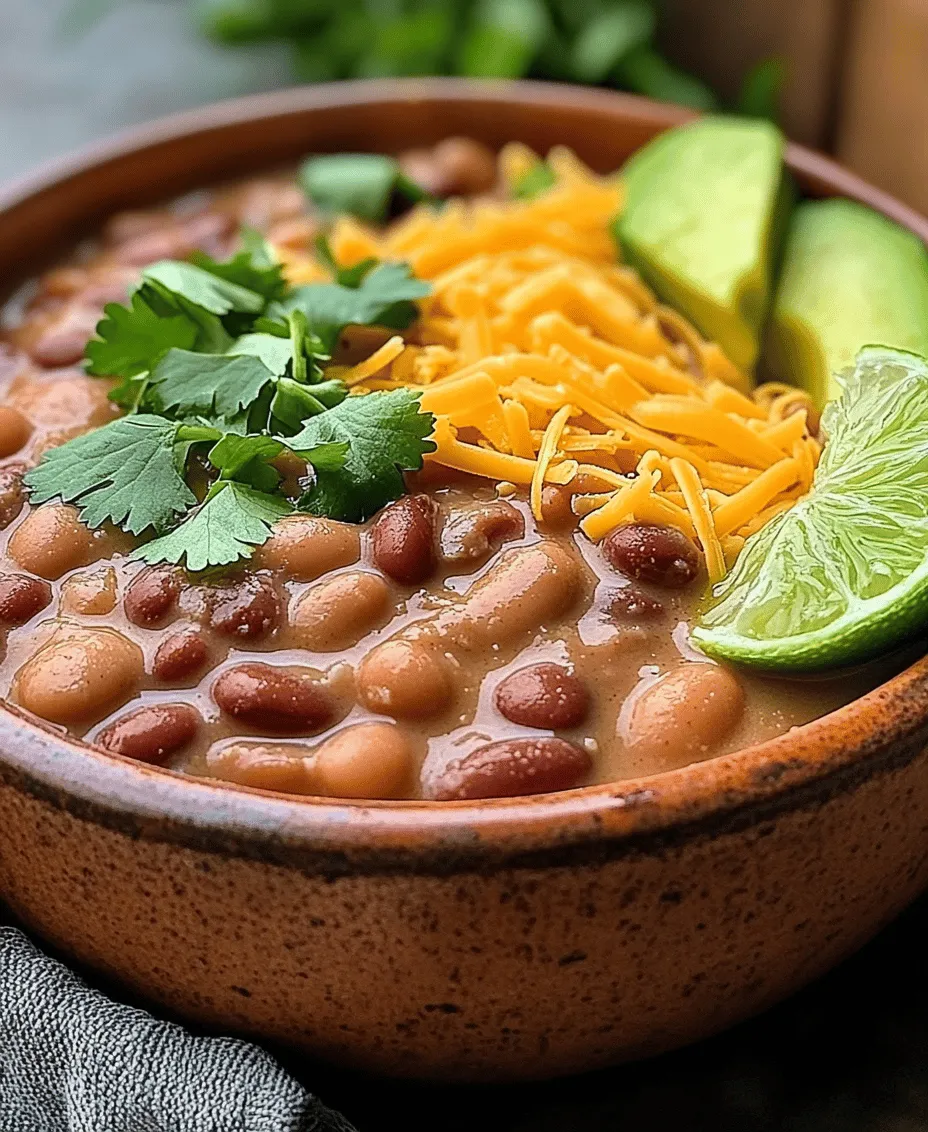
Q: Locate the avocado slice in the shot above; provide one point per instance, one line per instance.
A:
(850, 278)
(703, 223)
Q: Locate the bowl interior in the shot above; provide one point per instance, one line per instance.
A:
(52, 208)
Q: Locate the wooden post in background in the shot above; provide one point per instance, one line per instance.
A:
(722, 39)
(883, 126)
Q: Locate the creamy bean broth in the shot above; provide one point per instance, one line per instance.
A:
(451, 646)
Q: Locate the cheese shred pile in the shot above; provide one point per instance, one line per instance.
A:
(549, 365)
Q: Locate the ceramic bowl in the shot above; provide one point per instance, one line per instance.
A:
(492, 940)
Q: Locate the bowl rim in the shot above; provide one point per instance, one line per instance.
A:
(883, 729)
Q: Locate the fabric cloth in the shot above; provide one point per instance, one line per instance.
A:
(73, 1061)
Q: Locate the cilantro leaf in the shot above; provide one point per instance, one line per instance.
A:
(275, 352)
(129, 339)
(255, 267)
(534, 181)
(386, 434)
(215, 386)
(358, 183)
(125, 472)
(202, 288)
(383, 298)
(246, 459)
(232, 521)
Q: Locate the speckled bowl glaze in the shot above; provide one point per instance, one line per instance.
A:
(493, 940)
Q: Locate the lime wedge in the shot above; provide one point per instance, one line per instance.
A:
(842, 575)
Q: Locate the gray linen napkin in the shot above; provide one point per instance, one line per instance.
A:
(73, 1061)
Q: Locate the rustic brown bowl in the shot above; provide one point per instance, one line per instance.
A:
(493, 940)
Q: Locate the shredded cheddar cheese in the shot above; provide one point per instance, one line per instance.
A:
(547, 362)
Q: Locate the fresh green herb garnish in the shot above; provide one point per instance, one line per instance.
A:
(222, 362)
(361, 184)
(536, 181)
(385, 434)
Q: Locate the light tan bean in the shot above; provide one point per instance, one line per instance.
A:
(91, 594)
(15, 430)
(263, 766)
(79, 675)
(368, 760)
(406, 680)
(336, 613)
(528, 587)
(52, 540)
(684, 714)
(304, 547)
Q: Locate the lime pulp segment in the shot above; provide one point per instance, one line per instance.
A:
(843, 574)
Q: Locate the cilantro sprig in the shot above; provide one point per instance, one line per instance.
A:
(222, 367)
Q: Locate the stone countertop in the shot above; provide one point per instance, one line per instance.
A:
(848, 1054)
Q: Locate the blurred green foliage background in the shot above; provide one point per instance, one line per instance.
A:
(606, 42)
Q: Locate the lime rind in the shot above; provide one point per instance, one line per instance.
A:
(843, 574)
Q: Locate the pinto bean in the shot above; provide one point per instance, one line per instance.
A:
(529, 587)
(403, 539)
(336, 613)
(368, 760)
(247, 610)
(12, 493)
(64, 339)
(181, 656)
(471, 534)
(455, 167)
(262, 766)
(52, 540)
(556, 507)
(652, 553)
(15, 430)
(685, 713)
(79, 675)
(151, 734)
(406, 680)
(285, 700)
(512, 767)
(303, 547)
(543, 695)
(90, 594)
(21, 598)
(152, 595)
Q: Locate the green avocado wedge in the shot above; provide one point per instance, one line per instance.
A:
(843, 574)
(849, 276)
(703, 221)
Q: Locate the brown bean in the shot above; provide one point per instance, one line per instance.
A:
(151, 734)
(21, 598)
(64, 340)
(403, 539)
(91, 594)
(629, 603)
(262, 766)
(246, 610)
(52, 540)
(166, 241)
(368, 760)
(79, 675)
(529, 587)
(556, 507)
(124, 226)
(406, 680)
(469, 535)
(652, 553)
(15, 430)
(273, 699)
(336, 613)
(684, 714)
(455, 167)
(181, 656)
(303, 547)
(12, 493)
(152, 595)
(543, 695)
(63, 407)
(512, 767)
